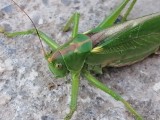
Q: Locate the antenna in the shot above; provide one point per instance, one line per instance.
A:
(33, 25)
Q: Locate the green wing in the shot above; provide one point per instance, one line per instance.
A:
(128, 42)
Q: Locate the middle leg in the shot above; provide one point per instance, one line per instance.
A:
(74, 19)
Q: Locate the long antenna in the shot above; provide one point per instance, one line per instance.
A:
(33, 25)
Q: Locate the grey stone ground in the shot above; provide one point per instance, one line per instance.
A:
(24, 75)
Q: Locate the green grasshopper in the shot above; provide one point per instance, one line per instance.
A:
(109, 44)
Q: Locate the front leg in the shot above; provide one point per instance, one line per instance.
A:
(49, 41)
(74, 94)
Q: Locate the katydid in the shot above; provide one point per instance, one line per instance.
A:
(109, 44)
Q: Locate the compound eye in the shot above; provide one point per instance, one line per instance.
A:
(58, 65)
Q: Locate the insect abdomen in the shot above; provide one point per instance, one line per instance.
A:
(131, 42)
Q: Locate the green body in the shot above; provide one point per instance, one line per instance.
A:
(127, 43)
(109, 44)
(119, 45)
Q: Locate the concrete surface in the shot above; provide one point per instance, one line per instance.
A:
(24, 75)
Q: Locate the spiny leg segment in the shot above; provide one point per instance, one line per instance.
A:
(74, 19)
(110, 20)
(124, 18)
(49, 41)
(112, 93)
(74, 94)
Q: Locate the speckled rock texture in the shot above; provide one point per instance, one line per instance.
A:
(24, 74)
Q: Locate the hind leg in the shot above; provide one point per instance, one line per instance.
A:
(114, 17)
